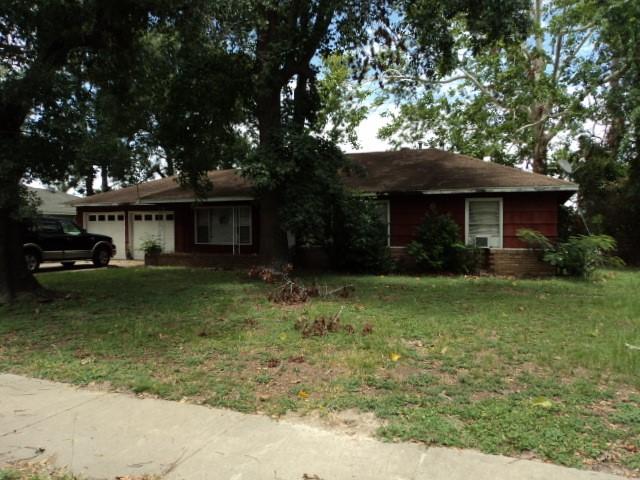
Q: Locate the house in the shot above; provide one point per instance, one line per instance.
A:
(490, 202)
(55, 204)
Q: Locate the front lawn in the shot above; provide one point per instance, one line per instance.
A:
(531, 368)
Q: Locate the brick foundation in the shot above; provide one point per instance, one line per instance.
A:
(518, 262)
(505, 262)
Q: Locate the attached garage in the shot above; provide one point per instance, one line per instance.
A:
(111, 224)
(155, 226)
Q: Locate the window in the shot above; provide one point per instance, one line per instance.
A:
(49, 226)
(101, 218)
(92, 218)
(483, 219)
(148, 217)
(223, 225)
(385, 216)
(111, 218)
(120, 217)
(70, 227)
(169, 216)
(159, 217)
(137, 217)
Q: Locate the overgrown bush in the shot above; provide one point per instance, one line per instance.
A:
(578, 256)
(438, 248)
(359, 237)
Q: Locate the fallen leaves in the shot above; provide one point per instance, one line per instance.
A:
(394, 357)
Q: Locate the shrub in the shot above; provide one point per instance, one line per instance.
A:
(151, 246)
(359, 237)
(438, 247)
(579, 256)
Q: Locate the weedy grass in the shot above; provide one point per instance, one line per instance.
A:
(536, 368)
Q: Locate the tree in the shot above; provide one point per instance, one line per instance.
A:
(37, 41)
(511, 101)
(607, 166)
(273, 46)
(289, 35)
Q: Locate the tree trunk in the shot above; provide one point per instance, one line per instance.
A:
(273, 239)
(104, 176)
(88, 182)
(14, 276)
(171, 169)
(540, 152)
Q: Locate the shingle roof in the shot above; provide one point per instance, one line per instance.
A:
(432, 170)
(54, 203)
(225, 183)
(425, 170)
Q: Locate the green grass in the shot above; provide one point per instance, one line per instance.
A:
(534, 368)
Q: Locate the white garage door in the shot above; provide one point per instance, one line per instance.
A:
(108, 223)
(156, 226)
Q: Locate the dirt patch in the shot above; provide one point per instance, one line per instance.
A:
(401, 372)
(291, 375)
(350, 422)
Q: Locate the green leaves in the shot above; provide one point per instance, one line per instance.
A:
(580, 255)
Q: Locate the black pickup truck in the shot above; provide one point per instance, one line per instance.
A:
(50, 239)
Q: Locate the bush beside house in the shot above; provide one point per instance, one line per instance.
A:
(438, 248)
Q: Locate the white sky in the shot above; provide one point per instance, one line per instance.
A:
(368, 135)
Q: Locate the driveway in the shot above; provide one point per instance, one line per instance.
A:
(88, 265)
(103, 435)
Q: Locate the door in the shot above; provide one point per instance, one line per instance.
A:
(111, 224)
(155, 226)
(51, 239)
(78, 244)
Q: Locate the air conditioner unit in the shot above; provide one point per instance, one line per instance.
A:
(481, 242)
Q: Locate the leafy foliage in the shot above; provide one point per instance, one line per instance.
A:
(508, 101)
(151, 246)
(438, 247)
(358, 237)
(579, 256)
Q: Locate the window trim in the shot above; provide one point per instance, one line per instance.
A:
(218, 207)
(469, 200)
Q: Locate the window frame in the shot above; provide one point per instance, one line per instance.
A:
(234, 225)
(467, 203)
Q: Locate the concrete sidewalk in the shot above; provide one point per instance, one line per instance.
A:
(102, 435)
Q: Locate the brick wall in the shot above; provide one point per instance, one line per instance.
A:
(518, 263)
(506, 262)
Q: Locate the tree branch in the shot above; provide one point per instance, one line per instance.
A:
(569, 58)
(556, 59)
(542, 119)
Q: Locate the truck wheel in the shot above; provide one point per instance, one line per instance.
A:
(101, 257)
(32, 260)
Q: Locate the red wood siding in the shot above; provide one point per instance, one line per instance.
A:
(407, 213)
(537, 211)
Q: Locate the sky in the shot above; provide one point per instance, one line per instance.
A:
(368, 135)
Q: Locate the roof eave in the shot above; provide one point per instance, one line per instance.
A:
(165, 201)
(545, 188)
